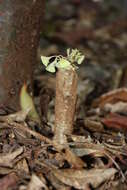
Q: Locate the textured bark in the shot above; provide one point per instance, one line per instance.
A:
(66, 96)
(20, 24)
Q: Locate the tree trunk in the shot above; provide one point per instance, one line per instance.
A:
(20, 25)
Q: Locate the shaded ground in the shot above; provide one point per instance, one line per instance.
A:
(97, 157)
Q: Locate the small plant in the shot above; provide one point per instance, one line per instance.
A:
(73, 57)
(66, 90)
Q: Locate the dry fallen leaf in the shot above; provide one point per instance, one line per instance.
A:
(19, 116)
(22, 165)
(7, 159)
(119, 107)
(56, 183)
(116, 121)
(9, 181)
(81, 179)
(93, 125)
(36, 183)
(111, 97)
(84, 151)
(5, 170)
(73, 159)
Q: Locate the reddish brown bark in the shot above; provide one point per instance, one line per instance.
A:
(66, 95)
(20, 25)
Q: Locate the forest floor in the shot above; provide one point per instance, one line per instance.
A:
(96, 154)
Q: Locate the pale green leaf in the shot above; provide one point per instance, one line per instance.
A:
(26, 102)
(51, 67)
(80, 59)
(63, 63)
(45, 60)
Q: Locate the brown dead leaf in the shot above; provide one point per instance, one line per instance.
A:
(73, 159)
(92, 125)
(36, 183)
(4, 170)
(7, 159)
(81, 179)
(22, 166)
(56, 183)
(119, 107)
(84, 151)
(18, 116)
(111, 97)
(8, 182)
(116, 121)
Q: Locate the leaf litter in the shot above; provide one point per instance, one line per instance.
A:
(95, 154)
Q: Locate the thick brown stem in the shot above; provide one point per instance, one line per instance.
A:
(20, 24)
(66, 95)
